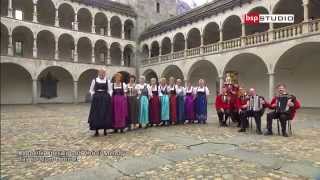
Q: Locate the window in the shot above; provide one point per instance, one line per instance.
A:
(18, 14)
(18, 48)
(158, 7)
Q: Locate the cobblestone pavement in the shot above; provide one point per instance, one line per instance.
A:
(62, 127)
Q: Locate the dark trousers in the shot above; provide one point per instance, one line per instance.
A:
(235, 116)
(223, 116)
(244, 115)
(283, 117)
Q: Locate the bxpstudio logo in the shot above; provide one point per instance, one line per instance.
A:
(256, 18)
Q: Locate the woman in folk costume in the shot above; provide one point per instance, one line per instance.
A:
(180, 101)
(173, 101)
(164, 100)
(202, 93)
(144, 94)
(133, 103)
(154, 103)
(189, 103)
(100, 111)
(119, 103)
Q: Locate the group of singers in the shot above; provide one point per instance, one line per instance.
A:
(116, 105)
(235, 104)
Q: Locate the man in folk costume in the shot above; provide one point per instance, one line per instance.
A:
(223, 106)
(284, 106)
(254, 108)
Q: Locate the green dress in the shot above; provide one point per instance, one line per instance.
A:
(144, 106)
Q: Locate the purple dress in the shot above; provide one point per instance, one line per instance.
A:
(189, 104)
(119, 104)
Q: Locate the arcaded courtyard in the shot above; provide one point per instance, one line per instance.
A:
(182, 151)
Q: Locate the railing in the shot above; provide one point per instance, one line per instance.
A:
(256, 38)
(211, 48)
(177, 55)
(231, 44)
(193, 51)
(247, 41)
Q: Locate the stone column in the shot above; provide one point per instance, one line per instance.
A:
(270, 32)
(10, 11)
(75, 92)
(108, 57)
(10, 44)
(93, 28)
(202, 44)
(75, 22)
(35, 50)
(220, 83)
(160, 50)
(122, 32)
(93, 59)
(149, 53)
(109, 28)
(185, 47)
(75, 53)
(271, 85)
(56, 52)
(34, 91)
(221, 39)
(35, 18)
(122, 59)
(243, 34)
(57, 18)
(172, 47)
(305, 10)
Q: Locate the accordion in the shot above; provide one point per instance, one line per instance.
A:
(282, 103)
(255, 103)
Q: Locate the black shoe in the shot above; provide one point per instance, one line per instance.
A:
(242, 130)
(105, 132)
(140, 126)
(259, 132)
(285, 134)
(268, 133)
(96, 134)
(121, 130)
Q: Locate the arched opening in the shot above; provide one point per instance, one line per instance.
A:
(179, 42)
(128, 56)
(166, 46)
(84, 83)
(145, 51)
(231, 28)
(84, 50)
(124, 77)
(100, 52)
(4, 40)
(207, 71)
(211, 33)
(149, 74)
(194, 38)
(298, 68)
(101, 23)
(115, 54)
(4, 7)
(66, 47)
(128, 29)
(116, 27)
(16, 84)
(22, 42)
(252, 72)
(289, 7)
(155, 50)
(257, 28)
(314, 12)
(173, 71)
(55, 85)
(46, 12)
(85, 20)
(24, 6)
(45, 45)
(66, 16)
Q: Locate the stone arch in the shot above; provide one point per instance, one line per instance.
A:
(166, 46)
(174, 71)
(16, 84)
(45, 45)
(149, 73)
(298, 68)
(22, 39)
(4, 39)
(46, 12)
(84, 20)
(128, 29)
(101, 23)
(4, 7)
(66, 15)
(155, 49)
(64, 85)
(231, 28)
(211, 33)
(84, 48)
(145, 51)
(178, 42)
(194, 38)
(257, 28)
(26, 6)
(252, 71)
(289, 7)
(84, 82)
(66, 46)
(116, 26)
(128, 55)
(115, 53)
(100, 51)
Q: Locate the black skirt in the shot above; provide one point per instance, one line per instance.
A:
(133, 109)
(100, 116)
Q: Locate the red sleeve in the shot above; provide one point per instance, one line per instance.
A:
(238, 103)
(272, 104)
(219, 103)
(297, 104)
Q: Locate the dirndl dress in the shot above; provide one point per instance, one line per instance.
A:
(201, 107)
(155, 107)
(144, 106)
(120, 111)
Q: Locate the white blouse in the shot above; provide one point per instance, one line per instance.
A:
(190, 90)
(180, 89)
(105, 80)
(140, 87)
(203, 89)
(165, 88)
(115, 86)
